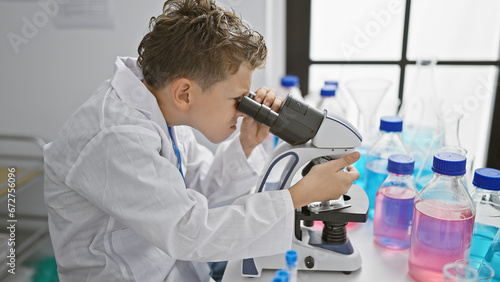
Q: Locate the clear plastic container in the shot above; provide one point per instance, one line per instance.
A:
(459, 272)
(443, 220)
(484, 272)
(486, 197)
(388, 143)
(394, 204)
(329, 100)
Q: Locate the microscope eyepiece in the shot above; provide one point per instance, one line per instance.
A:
(259, 112)
(295, 122)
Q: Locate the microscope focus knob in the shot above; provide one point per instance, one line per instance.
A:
(309, 262)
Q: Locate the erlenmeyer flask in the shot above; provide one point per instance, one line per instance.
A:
(451, 140)
(451, 125)
(367, 93)
(422, 131)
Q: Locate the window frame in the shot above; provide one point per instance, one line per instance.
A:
(298, 24)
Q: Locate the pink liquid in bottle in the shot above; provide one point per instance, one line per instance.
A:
(441, 233)
(393, 216)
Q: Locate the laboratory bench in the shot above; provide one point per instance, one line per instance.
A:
(378, 263)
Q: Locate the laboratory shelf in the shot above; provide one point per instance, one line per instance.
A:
(28, 213)
(31, 233)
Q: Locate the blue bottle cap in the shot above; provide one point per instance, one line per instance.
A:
(487, 178)
(391, 123)
(332, 82)
(278, 279)
(328, 90)
(290, 80)
(401, 164)
(291, 257)
(282, 273)
(447, 163)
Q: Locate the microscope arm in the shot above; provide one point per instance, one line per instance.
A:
(335, 138)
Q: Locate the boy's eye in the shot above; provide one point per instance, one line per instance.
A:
(238, 99)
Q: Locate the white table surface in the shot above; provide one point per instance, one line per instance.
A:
(378, 263)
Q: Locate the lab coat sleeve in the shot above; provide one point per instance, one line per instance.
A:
(121, 172)
(226, 176)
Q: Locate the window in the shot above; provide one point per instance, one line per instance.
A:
(343, 39)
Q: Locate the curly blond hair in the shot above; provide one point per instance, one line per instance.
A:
(199, 40)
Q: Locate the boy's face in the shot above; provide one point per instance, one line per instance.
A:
(214, 112)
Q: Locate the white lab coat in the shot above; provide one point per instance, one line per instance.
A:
(118, 206)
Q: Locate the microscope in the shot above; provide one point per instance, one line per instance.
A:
(311, 137)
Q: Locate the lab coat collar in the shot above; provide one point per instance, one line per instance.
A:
(130, 89)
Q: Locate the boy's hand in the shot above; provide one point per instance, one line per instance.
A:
(252, 132)
(326, 181)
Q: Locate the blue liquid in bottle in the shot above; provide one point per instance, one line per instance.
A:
(486, 197)
(421, 147)
(492, 258)
(376, 173)
(388, 143)
(360, 167)
(424, 177)
(481, 239)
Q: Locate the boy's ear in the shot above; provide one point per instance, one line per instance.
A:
(182, 93)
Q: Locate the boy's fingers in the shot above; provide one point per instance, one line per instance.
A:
(268, 97)
(260, 94)
(353, 172)
(277, 104)
(347, 160)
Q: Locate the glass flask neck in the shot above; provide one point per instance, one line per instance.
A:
(451, 124)
(400, 176)
(389, 135)
(445, 183)
(444, 177)
(400, 180)
(447, 187)
(477, 190)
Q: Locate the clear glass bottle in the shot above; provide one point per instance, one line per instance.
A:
(329, 100)
(443, 220)
(394, 204)
(486, 197)
(290, 84)
(388, 143)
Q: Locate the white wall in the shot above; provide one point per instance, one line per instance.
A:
(56, 70)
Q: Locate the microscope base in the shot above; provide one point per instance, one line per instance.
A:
(309, 258)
